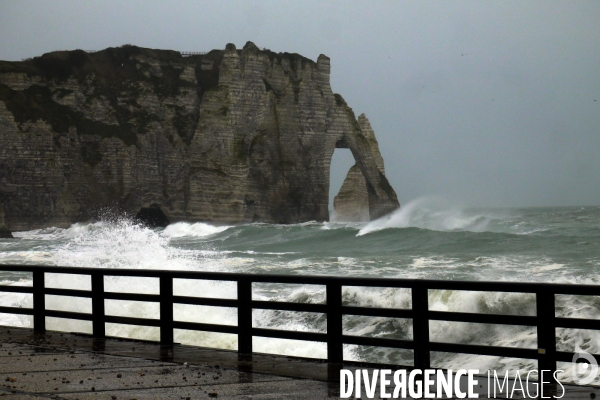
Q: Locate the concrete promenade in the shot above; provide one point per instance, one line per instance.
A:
(58, 365)
(70, 366)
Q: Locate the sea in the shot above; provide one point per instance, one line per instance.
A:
(427, 238)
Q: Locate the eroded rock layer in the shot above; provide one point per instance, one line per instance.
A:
(228, 136)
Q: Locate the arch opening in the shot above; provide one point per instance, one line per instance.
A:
(152, 217)
(348, 201)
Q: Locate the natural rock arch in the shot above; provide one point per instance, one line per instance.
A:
(234, 135)
(360, 197)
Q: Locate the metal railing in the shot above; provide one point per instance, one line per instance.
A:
(545, 321)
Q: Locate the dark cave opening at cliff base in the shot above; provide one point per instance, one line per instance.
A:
(341, 161)
(152, 217)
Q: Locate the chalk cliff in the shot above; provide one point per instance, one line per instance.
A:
(228, 136)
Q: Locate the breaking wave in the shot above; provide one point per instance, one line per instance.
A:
(433, 214)
(199, 229)
(428, 238)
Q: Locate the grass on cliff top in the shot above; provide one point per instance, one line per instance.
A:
(60, 65)
(115, 77)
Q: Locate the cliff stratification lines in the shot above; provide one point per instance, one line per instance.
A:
(227, 136)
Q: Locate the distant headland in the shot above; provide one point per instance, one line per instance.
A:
(227, 136)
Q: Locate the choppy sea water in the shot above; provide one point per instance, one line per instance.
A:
(425, 239)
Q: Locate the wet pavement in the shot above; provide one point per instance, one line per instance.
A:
(59, 365)
(71, 366)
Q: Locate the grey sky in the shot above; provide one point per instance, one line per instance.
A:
(488, 103)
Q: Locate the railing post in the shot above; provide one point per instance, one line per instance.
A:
(166, 310)
(335, 349)
(546, 332)
(39, 302)
(420, 306)
(98, 326)
(244, 300)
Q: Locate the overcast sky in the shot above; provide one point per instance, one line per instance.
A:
(485, 103)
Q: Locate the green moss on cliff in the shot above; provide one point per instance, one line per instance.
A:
(114, 75)
(61, 65)
(62, 93)
(267, 86)
(184, 125)
(296, 60)
(339, 100)
(90, 152)
(36, 103)
(208, 78)
(168, 84)
(240, 150)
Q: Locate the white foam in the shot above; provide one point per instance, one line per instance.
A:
(124, 244)
(198, 229)
(546, 268)
(428, 262)
(27, 257)
(332, 224)
(54, 233)
(20, 300)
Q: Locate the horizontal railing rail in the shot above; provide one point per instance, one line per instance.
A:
(545, 321)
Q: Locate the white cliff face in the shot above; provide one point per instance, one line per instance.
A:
(229, 136)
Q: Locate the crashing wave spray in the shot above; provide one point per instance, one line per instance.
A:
(539, 245)
(429, 213)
